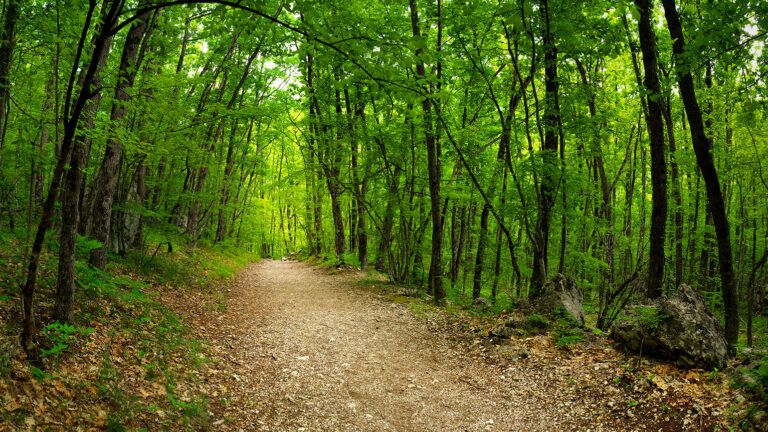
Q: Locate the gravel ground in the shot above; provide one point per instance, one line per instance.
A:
(300, 349)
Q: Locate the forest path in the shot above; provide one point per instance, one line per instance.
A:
(313, 352)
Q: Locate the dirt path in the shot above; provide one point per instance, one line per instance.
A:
(313, 353)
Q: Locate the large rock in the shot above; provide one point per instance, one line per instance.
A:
(679, 328)
(560, 293)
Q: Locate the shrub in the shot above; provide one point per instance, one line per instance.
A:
(755, 379)
(536, 322)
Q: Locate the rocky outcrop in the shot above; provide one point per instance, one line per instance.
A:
(560, 293)
(679, 328)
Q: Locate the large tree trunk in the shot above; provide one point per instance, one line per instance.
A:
(708, 172)
(70, 198)
(106, 180)
(655, 125)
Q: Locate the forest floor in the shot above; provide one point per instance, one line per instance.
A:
(304, 348)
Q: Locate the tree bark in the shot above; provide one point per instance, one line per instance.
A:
(7, 46)
(676, 193)
(482, 239)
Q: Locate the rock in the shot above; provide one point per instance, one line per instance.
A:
(511, 327)
(516, 353)
(532, 324)
(679, 328)
(482, 303)
(561, 293)
(409, 292)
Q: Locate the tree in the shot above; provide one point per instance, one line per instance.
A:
(7, 45)
(433, 162)
(708, 171)
(106, 179)
(73, 180)
(655, 124)
(550, 176)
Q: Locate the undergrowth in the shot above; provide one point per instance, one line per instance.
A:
(129, 362)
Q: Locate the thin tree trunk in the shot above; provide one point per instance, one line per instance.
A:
(658, 161)
(477, 279)
(676, 193)
(7, 46)
(751, 285)
(433, 167)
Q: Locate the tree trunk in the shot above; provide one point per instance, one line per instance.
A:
(676, 194)
(70, 197)
(358, 129)
(708, 172)
(72, 114)
(655, 126)
(7, 45)
(480, 257)
(106, 180)
(433, 169)
(550, 172)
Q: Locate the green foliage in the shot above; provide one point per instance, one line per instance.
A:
(568, 331)
(5, 358)
(754, 379)
(39, 374)
(565, 319)
(649, 317)
(567, 338)
(59, 337)
(713, 375)
(85, 245)
(536, 322)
